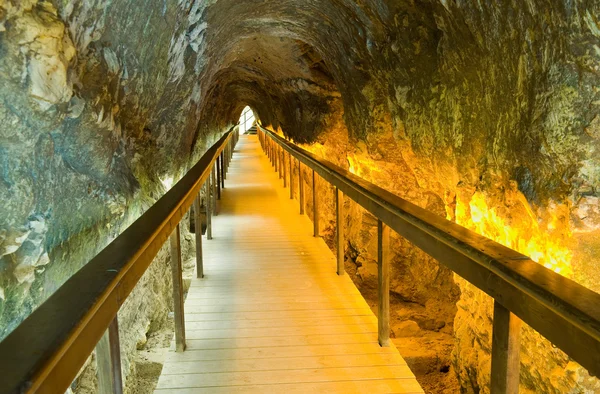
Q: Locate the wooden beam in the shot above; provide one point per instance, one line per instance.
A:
(198, 228)
(222, 157)
(292, 184)
(213, 183)
(208, 201)
(218, 165)
(284, 168)
(108, 361)
(301, 188)
(176, 270)
(383, 283)
(339, 205)
(506, 347)
(279, 158)
(226, 155)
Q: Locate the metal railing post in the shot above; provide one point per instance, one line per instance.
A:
(177, 290)
(301, 188)
(506, 343)
(383, 283)
(198, 230)
(339, 210)
(315, 205)
(108, 360)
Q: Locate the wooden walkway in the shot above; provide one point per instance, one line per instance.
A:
(271, 314)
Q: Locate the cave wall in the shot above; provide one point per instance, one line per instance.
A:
(98, 116)
(437, 100)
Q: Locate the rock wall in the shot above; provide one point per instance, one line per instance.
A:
(98, 117)
(461, 107)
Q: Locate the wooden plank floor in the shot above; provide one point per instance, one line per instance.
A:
(271, 314)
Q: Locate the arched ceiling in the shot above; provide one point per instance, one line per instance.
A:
(286, 59)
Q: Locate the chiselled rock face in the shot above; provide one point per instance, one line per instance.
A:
(483, 112)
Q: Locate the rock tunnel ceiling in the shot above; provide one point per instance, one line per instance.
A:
(483, 112)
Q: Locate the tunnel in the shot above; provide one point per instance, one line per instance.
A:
(482, 114)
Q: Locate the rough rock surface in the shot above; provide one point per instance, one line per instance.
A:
(98, 116)
(440, 101)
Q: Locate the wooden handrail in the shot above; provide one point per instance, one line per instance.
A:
(560, 309)
(45, 352)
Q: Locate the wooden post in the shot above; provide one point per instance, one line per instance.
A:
(214, 190)
(292, 184)
(225, 162)
(339, 205)
(226, 158)
(284, 168)
(222, 171)
(207, 189)
(198, 228)
(506, 343)
(279, 153)
(383, 283)
(301, 188)
(177, 290)
(315, 205)
(218, 165)
(108, 360)
(275, 157)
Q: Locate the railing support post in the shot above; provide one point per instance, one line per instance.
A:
(198, 228)
(177, 290)
(108, 360)
(279, 154)
(208, 200)
(339, 210)
(301, 188)
(275, 157)
(270, 150)
(218, 165)
(214, 190)
(506, 342)
(226, 161)
(292, 184)
(315, 205)
(284, 168)
(222, 171)
(383, 283)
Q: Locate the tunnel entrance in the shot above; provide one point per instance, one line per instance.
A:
(247, 121)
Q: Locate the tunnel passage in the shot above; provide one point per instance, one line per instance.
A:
(482, 113)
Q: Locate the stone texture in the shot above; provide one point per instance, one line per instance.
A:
(438, 101)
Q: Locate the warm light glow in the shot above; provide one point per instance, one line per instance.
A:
(536, 243)
(362, 166)
(316, 149)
